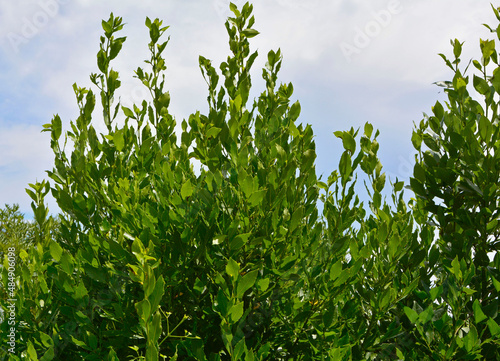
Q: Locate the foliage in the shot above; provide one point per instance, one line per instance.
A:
(151, 259)
(456, 183)
(15, 231)
(34, 309)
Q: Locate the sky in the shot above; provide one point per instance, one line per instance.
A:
(350, 62)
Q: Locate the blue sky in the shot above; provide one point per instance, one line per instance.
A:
(349, 61)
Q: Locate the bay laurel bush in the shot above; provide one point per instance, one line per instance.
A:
(153, 260)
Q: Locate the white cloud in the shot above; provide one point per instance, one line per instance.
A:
(25, 157)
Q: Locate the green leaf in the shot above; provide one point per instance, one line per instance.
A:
(239, 349)
(336, 270)
(419, 172)
(329, 314)
(263, 284)
(263, 351)
(417, 187)
(128, 112)
(239, 241)
(455, 264)
(32, 352)
(411, 314)
(213, 132)
(155, 327)
(468, 291)
(438, 110)
(112, 356)
(257, 197)
(479, 315)
(102, 61)
(107, 27)
(294, 111)
(199, 285)
(56, 127)
(294, 132)
(116, 46)
(246, 183)
(398, 186)
(345, 166)
(297, 218)
(187, 189)
(137, 246)
(427, 315)
(379, 183)
(416, 140)
(250, 33)
(55, 250)
(347, 141)
(158, 292)
(492, 225)
(487, 48)
(234, 9)
(368, 129)
(46, 340)
(118, 139)
(470, 340)
(495, 282)
(249, 355)
(143, 310)
(80, 291)
(436, 292)
(79, 343)
(495, 80)
(460, 83)
(457, 48)
(246, 282)
(92, 340)
(232, 268)
(493, 327)
(480, 85)
(235, 312)
(48, 355)
(218, 239)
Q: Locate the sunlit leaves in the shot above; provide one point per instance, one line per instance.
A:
(234, 258)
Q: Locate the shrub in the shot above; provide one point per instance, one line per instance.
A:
(151, 259)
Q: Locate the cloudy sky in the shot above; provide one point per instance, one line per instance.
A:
(350, 61)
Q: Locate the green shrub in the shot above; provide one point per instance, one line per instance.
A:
(15, 231)
(151, 259)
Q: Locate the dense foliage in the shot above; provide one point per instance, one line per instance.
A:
(152, 260)
(15, 231)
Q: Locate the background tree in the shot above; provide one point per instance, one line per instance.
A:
(15, 231)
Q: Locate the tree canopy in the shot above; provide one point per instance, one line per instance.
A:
(151, 260)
